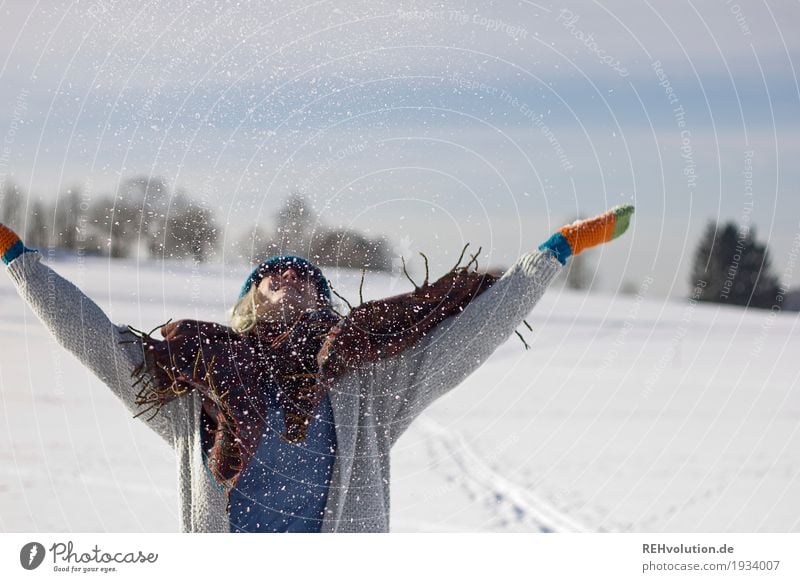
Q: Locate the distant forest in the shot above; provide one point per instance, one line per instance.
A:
(146, 216)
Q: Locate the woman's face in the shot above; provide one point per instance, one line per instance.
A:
(283, 295)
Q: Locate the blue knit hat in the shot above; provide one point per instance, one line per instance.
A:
(278, 264)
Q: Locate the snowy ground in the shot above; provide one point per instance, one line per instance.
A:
(629, 413)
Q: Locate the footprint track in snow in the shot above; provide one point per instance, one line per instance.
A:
(511, 503)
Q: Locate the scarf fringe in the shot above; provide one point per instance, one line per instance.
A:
(156, 392)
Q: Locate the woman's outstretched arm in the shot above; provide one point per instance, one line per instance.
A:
(80, 326)
(461, 344)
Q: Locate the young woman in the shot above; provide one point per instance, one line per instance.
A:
(284, 421)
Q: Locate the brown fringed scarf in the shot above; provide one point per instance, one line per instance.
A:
(303, 357)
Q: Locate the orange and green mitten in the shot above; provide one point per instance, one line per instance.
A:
(575, 238)
(10, 245)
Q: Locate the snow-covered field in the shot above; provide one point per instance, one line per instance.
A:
(628, 413)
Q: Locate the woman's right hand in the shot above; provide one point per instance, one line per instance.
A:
(10, 244)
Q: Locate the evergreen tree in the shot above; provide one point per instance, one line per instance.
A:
(735, 267)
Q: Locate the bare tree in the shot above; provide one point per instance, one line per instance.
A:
(350, 249)
(200, 232)
(36, 227)
(189, 230)
(294, 224)
(12, 202)
(298, 232)
(116, 225)
(149, 196)
(66, 216)
(255, 245)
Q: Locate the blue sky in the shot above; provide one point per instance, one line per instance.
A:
(484, 122)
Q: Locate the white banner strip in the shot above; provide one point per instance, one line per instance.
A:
(332, 557)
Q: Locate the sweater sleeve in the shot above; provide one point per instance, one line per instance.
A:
(80, 326)
(462, 343)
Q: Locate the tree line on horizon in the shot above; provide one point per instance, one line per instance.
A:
(298, 231)
(145, 216)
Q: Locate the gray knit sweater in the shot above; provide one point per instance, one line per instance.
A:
(372, 406)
